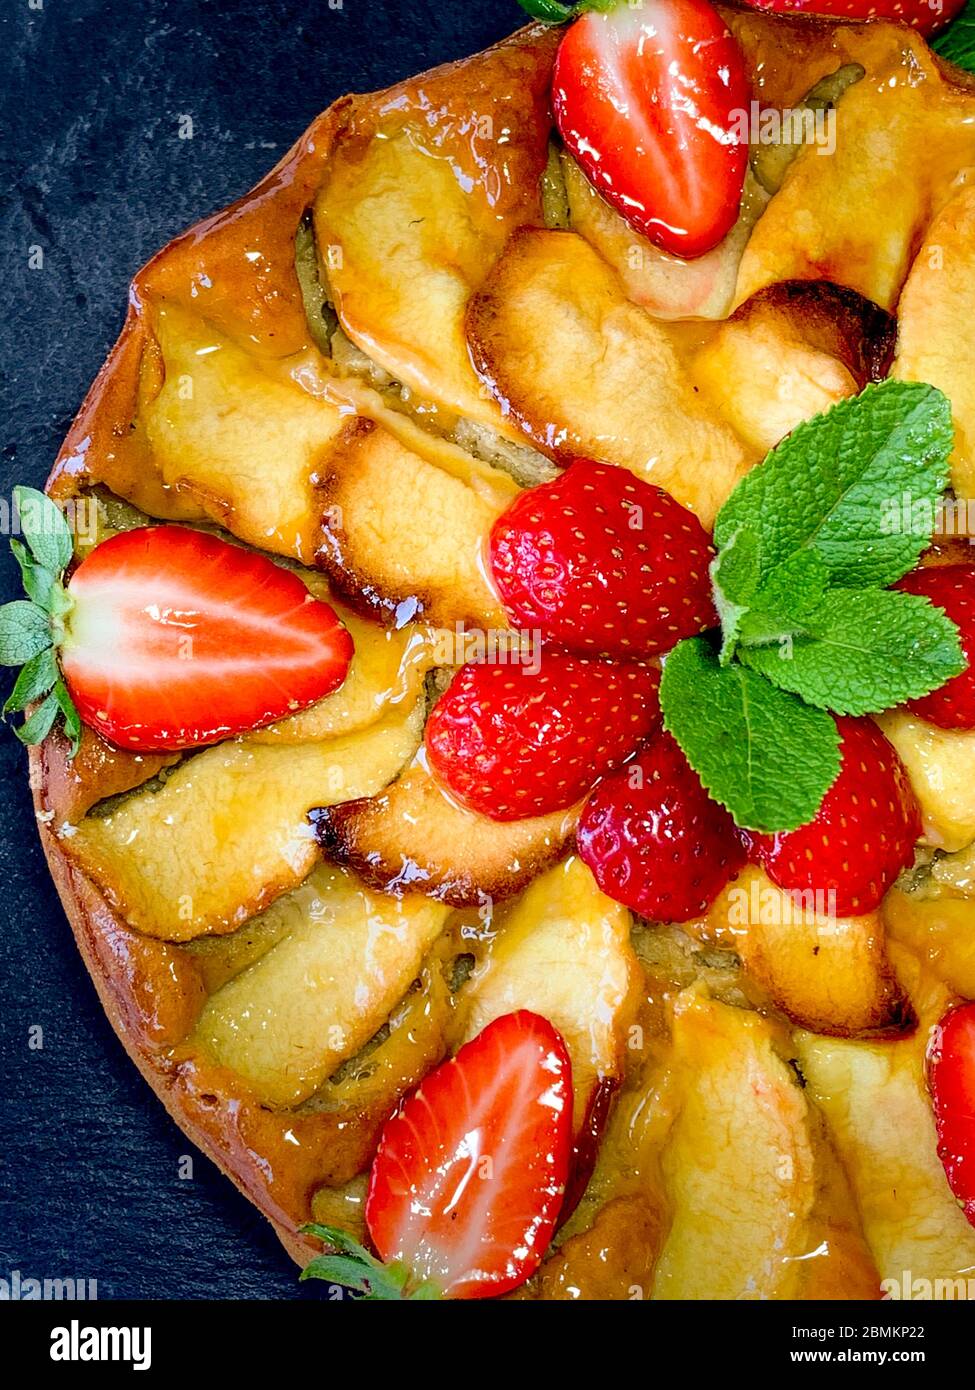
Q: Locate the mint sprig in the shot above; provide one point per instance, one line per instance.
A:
(957, 42)
(32, 628)
(807, 544)
(353, 1267)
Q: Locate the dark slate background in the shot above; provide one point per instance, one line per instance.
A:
(93, 173)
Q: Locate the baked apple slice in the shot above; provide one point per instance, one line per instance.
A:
(790, 352)
(413, 836)
(584, 371)
(414, 208)
(941, 766)
(402, 537)
(940, 930)
(826, 973)
(877, 1104)
(320, 993)
(936, 325)
(563, 951)
(240, 805)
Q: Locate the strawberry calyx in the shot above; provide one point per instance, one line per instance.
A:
(33, 629)
(553, 12)
(350, 1265)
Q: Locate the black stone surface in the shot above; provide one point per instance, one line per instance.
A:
(94, 174)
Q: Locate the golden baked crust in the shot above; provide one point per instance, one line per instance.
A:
(263, 445)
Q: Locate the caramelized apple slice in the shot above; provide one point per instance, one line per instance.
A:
(738, 1165)
(322, 990)
(243, 443)
(414, 837)
(848, 214)
(563, 952)
(936, 325)
(876, 1101)
(790, 352)
(584, 371)
(403, 537)
(940, 930)
(829, 974)
(666, 286)
(941, 766)
(227, 832)
(416, 206)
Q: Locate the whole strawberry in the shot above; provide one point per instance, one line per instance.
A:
(603, 563)
(951, 587)
(510, 741)
(863, 834)
(654, 839)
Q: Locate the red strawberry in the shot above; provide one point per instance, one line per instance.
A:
(951, 587)
(603, 563)
(470, 1173)
(924, 15)
(511, 742)
(175, 638)
(951, 1079)
(861, 837)
(646, 98)
(654, 839)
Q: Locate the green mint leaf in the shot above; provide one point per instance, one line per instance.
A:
(735, 574)
(859, 485)
(761, 752)
(37, 726)
(24, 631)
(72, 719)
(865, 651)
(44, 528)
(957, 43)
(35, 679)
(784, 603)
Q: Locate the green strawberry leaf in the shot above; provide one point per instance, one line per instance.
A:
(552, 12)
(38, 725)
(759, 751)
(864, 652)
(25, 630)
(957, 43)
(836, 485)
(355, 1268)
(35, 679)
(38, 582)
(72, 719)
(44, 528)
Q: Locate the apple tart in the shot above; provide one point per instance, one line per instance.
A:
(369, 375)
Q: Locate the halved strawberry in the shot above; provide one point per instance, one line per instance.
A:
(170, 638)
(470, 1173)
(951, 1080)
(603, 563)
(654, 839)
(924, 15)
(863, 834)
(510, 741)
(952, 588)
(649, 99)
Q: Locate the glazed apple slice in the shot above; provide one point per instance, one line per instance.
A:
(941, 766)
(286, 1022)
(790, 352)
(240, 805)
(936, 307)
(876, 1101)
(413, 836)
(402, 537)
(585, 372)
(563, 952)
(827, 973)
